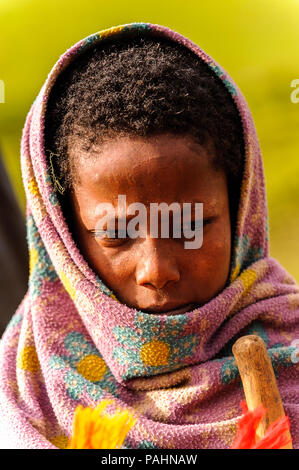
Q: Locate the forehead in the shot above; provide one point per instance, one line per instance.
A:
(160, 168)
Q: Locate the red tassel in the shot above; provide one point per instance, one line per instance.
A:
(244, 407)
(247, 426)
(275, 437)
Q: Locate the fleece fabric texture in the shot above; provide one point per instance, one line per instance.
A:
(71, 342)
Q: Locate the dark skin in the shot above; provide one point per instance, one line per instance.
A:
(155, 275)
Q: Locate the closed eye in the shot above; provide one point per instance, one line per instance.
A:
(197, 224)
(119, 236)
(110, 234)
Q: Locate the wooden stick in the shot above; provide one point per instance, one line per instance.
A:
(258, 379)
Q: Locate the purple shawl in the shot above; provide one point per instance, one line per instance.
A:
(71, 342)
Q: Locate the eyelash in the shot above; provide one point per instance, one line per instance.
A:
(114, 240)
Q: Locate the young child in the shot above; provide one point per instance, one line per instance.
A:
(142, 112)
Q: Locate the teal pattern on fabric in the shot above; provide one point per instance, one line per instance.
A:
(148, 334)
(137, 27)
(230, 87)
(79, 348)
(53, 199)
(280, 357)
(103, 286)
(53, 195)
(247, 254)
(43, 268)
(15, 320)
(229, 371)
(145, 444)
(220, 73)
(256, 328)
(93, 38)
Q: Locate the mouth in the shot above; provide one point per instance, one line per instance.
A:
(177, 311)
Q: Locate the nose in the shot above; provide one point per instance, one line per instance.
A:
(157, 266)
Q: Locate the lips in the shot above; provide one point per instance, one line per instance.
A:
(162, 310)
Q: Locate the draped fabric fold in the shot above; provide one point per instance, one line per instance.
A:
(72, 342)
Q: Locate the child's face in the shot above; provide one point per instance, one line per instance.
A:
(156, 275)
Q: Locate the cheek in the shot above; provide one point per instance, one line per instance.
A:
(210, 264)
(219, 241)
(112, 266)
(218, 249)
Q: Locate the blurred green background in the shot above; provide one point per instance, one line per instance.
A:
(256, 41)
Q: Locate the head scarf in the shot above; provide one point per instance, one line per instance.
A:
(71, 342)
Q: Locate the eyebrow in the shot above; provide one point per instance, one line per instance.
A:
(120, 219)
(206, 206)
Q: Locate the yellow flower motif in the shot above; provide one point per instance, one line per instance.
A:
(33, 187)
(92, 367)
(248, 278)
(94, 429)
(109, 32)
(68, 285)
(60, 441)
(114, 298)
(155, 353)
(28, 360)
(33, 259)
(235, 272)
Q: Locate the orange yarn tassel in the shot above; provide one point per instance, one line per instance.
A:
(94, 429)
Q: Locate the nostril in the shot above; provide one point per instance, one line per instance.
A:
(156, 284)
(155, 268)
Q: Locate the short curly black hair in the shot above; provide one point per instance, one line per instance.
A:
(143, 86)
